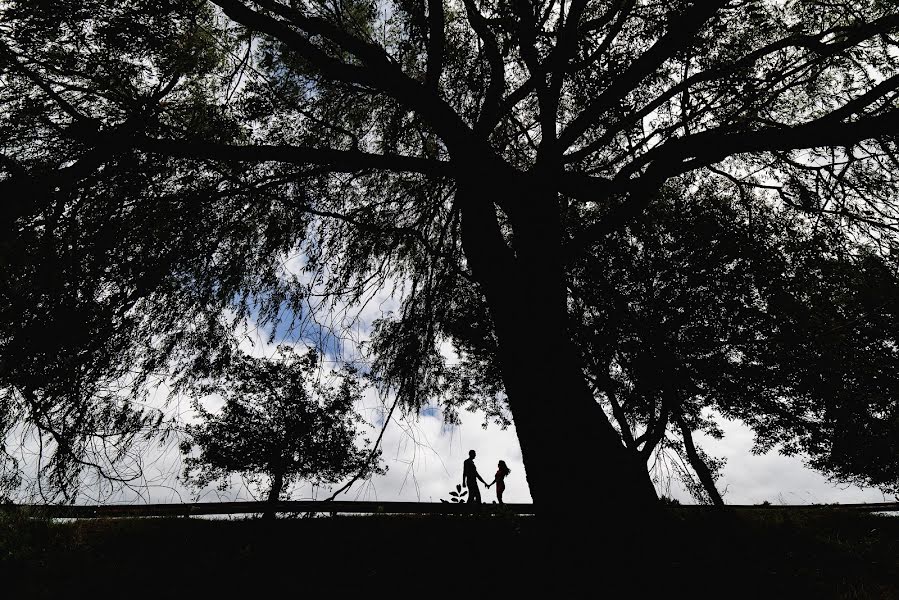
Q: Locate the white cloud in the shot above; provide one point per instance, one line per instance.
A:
(425, 458)
(752, 479)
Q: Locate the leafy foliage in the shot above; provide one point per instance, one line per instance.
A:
(689, 205)
(457, 495)
(280, 420)
(740, 309)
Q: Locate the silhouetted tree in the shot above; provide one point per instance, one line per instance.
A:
(279, 420)
(789, 328)
(166, 156)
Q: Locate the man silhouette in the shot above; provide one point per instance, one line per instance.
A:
(470, 478)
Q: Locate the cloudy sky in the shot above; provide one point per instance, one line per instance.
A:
(424, 455)
(424, 459)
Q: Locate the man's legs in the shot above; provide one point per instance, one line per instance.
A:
(474, 494)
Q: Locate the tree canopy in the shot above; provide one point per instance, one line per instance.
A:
(282, 419)
(785, 327)
(493, 159)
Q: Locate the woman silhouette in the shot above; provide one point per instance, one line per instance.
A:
(501, 471)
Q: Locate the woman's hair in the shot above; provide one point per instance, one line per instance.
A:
(502, 467)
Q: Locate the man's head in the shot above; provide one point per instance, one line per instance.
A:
(472, 454)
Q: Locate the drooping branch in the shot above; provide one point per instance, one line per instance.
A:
(43, 421)
(372, 454)
(396, 232)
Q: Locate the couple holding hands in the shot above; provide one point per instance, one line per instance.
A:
(470, 478)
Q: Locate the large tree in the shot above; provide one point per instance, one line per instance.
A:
(165, 156)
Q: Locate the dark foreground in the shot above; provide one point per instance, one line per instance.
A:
(690, 554)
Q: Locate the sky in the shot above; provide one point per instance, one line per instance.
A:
(424, 455)
(424, 458)
(426, 462)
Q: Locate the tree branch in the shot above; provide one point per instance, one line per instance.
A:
(379, 72)
(621, 418)
(712, 146)
(490, 109)
(527, 34)
(707, 148)
(436, 42)
(702, 470)
(623, 10)
(329, 67)
(632, 196)
(371, 455)
(656, 430)
(680, 32)
(813, 42)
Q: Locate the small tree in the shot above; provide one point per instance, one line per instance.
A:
(282, 421)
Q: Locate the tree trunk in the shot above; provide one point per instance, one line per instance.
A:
(273, 494)
(575, 459)
(699, 466)
(572, 454)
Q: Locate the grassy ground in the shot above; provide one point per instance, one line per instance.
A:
(762, 554)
